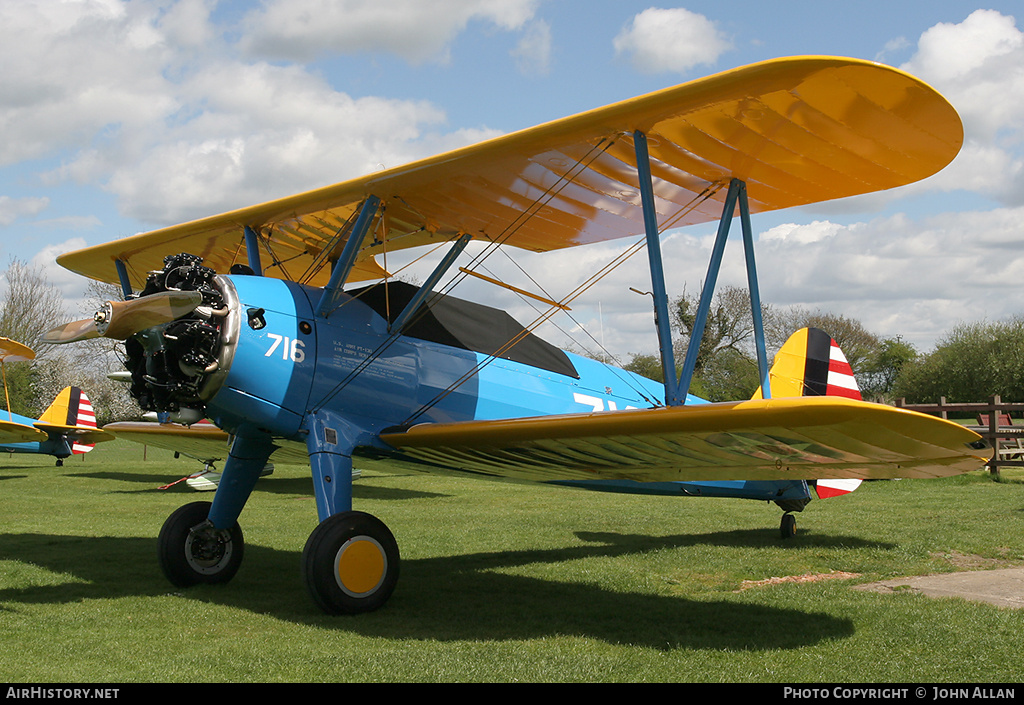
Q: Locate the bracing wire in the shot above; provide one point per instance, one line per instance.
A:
(494, 245)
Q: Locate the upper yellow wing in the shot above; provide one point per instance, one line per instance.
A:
(13, 351)
(797, 131)
(804, 438)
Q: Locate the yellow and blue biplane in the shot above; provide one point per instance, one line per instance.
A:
(66, 428)
(279, 323)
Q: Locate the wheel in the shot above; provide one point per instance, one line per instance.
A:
(788, 527)
(192, 552)
(350, 563)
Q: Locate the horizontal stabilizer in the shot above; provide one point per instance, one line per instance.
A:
(82, 436)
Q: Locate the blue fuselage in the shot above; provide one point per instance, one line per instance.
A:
(292, 362)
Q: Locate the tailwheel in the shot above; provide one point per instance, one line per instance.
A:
(788, 527)
(193, 552)
(350, 563)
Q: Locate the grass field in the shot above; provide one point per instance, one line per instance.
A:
(504, 582)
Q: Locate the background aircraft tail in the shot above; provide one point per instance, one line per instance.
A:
(812, 364)
(71, 408)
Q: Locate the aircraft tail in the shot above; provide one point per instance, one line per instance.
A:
(71, 408)
(812, 364)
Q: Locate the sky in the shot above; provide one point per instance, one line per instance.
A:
(122, 117)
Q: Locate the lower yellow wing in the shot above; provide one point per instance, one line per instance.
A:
(204, 442)
(807, 438)
(11, 432)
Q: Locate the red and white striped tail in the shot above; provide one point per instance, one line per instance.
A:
(841, 382)
(71, 408)
(84, 416)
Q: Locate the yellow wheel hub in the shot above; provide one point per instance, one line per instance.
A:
(360, 566)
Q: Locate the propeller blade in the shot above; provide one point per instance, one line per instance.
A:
(121, 320)
(71, 332)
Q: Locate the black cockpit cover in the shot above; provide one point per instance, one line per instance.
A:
(463, 324)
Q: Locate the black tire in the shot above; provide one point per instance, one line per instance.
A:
(192, 552)
(350, 563)
(788, 526)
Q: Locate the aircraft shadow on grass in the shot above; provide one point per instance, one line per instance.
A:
(455, 597)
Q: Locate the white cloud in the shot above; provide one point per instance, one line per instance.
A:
(262, 131)
(51, 98)
(71, 285)
(533, 53)
(673, 40)
(901, 276)
(948, 52)
(801, 234)
(13, 208)
(978, 65)
(150, 100)
(417, 31)
(168, 119)
(895, 274)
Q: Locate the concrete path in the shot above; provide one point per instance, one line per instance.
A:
(1004, 587)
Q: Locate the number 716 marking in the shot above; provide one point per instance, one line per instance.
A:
(290, 349)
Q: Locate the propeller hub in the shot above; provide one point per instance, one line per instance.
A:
(102, 318)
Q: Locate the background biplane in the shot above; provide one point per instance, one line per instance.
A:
(67, 427)
(279, 324)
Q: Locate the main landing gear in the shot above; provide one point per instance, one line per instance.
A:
(193, 552)
(350, 562)
(788, 527)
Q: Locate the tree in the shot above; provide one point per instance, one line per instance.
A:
(31, 305)
(973, 362)
(857, 343)
(726, 364)
(729, 326)
(883, 368)
(645, 365)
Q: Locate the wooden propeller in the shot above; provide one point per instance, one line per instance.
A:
(121, 320)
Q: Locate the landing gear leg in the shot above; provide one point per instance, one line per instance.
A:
(202, 542)
(350, 562)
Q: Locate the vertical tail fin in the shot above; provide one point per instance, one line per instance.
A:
(71, 407)
(812, 364)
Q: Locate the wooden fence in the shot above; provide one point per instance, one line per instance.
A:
(1007, 439)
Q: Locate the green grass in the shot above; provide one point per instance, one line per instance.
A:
(503, 582)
